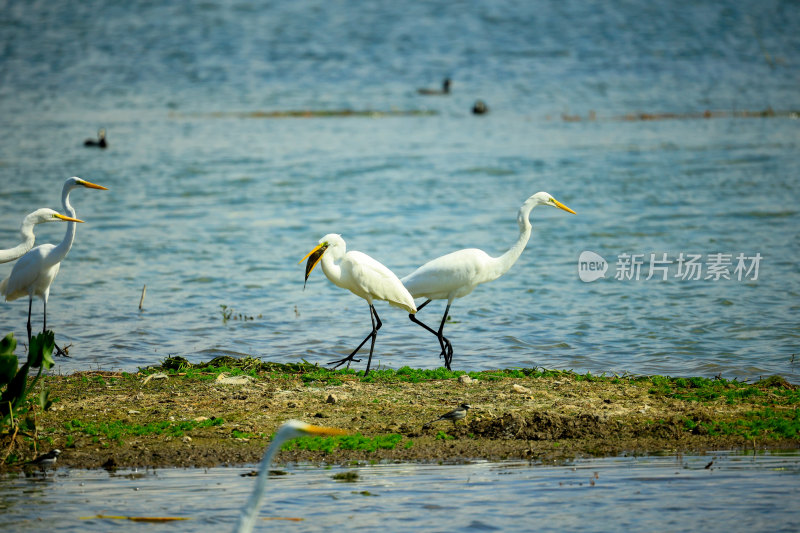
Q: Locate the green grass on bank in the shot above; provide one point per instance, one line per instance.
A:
(771, 391)
(763, 423)
(116, 430)
(346, 442)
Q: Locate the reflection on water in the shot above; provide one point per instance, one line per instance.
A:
(719, 492)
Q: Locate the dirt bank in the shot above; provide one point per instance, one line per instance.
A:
(224, 412)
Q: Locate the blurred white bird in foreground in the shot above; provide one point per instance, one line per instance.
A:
(289, 430)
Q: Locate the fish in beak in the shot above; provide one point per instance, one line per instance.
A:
(313, 258)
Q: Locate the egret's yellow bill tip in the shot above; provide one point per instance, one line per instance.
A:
(565, 208)
(68, 219)
(322, 430)
(91, 185)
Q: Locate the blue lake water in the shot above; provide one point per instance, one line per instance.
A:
(715, 492)
(208, 207)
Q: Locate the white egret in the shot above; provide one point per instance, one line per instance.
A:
(26, 232)
(457, 274)
(35, 271)
(363, 276)
(289, 430)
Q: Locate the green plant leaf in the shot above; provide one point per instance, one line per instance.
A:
(43, 400)
(8, 344)
(28, 424)
(40, 352)
(8, 367)
(15, 391)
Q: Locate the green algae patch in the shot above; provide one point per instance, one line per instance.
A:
(765, 392)
(356, 442)
(766, 424)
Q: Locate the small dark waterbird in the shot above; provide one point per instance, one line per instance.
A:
(363, 276)
(457, 274)
(480, 108)
(100, 142)
(436, 92)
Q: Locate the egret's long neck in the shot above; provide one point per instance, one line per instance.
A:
(332, 270)
(249, 513)
(507, 260)
(28, 238)
(60, 251)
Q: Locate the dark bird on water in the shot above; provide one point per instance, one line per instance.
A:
(480, 108)
(100, 142)
(431, 92)
(459, 413)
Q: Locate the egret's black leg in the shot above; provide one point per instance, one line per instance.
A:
(444, 343)
(375, 328)
(413, 318)
(448, 349)
(59, 351)
(423, 305)
(372, 335)
(30, 304)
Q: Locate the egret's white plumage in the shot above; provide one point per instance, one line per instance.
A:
(363, 276)
(35, 271)
(457, 274)
(39, 216)
(289, 430)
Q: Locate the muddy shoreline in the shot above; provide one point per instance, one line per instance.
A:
(223, 414)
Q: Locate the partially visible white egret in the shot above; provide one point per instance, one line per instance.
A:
(457, 274)
(289, 430)
(363, 276)
(35, 271)
(26, 232)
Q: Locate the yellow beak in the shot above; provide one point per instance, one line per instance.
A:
(92, 185)
(313, 258)
(562, 206)
(322, 430)
(68, 219)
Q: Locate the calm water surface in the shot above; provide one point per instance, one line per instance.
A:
(210, 210)
(735, 493)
